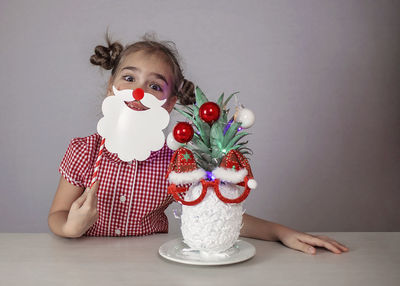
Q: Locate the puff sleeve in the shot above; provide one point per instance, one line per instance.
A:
(74, 166)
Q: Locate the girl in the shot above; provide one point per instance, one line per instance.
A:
(131, 198)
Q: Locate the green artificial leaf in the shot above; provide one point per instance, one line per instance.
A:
(236, 139)
(216, 134)
(201, 126)
(199, 144)
(242, 143)
(196, 125)
(206, 157)
(203, 160)
(179, 104)
(246, 153)
(216, 138)
(185, 114)
(217, 155)
(196, 111)
(189, 107)
(200, 97)
(245, 149)
(196, 135)
(221, 101)
(196, 121)
(219, 124)
(198, 158)
(229, 98)
(204, 132)
(230, 133)
(224, 117)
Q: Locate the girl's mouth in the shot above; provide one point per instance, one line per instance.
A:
(136, 105)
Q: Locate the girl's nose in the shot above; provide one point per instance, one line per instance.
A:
(138, 94)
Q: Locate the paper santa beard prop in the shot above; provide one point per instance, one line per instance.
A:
(133, 134)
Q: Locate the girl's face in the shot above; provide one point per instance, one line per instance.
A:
(148, 72)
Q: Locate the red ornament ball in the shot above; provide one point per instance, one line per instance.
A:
(209, 112)
(183, 132)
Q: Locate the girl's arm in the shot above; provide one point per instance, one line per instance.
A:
(73, 211)
(254, 227)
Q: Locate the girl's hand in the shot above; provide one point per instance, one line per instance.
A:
(83, 213)
(304, 242)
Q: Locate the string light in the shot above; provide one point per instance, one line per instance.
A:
(210, 176)
(228, 126)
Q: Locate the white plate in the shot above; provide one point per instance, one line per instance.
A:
(176, 250)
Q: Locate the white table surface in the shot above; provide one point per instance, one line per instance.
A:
(44, 259)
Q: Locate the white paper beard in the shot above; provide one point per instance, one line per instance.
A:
(130, 133)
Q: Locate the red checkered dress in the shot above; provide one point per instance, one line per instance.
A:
(132, 197)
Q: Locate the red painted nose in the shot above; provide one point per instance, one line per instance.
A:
(138, 94)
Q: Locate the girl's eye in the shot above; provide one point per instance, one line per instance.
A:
(128, 78)
(156, 87)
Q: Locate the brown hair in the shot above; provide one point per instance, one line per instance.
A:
(110, 57)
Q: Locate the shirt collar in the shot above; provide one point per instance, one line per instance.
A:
(114, 157)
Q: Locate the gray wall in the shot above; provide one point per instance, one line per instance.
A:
(323, 78)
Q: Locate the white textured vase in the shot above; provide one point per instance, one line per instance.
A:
(211, 226)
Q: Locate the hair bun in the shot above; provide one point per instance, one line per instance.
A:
(186, 94)
(106, 57)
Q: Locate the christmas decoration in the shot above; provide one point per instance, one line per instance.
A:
(245, 117)
(210, 143)
(211, 226)
(124, 119)
(210, 175)
(183, 168)
(209, 112)
(97, 164)
(183, 132)
(172, 143)
(138, 94)
(235, 169)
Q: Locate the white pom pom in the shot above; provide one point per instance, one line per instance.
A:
(252, 184)
(172, 143)
(246, 116)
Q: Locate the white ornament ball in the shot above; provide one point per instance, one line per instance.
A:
(246, 117)
(252, 184)
(172, 143)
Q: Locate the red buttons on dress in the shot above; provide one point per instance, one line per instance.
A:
(138, 94)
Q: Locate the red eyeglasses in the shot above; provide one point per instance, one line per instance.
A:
(178, 191)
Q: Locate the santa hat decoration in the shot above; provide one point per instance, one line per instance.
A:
(235, 168)
(182, 172)
(183, 168)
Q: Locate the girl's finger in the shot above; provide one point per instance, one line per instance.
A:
(338, 245)
(95, 187)
(79, 201)
(319, 242)
(334, 242)
(92, 195)
(301, 246)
